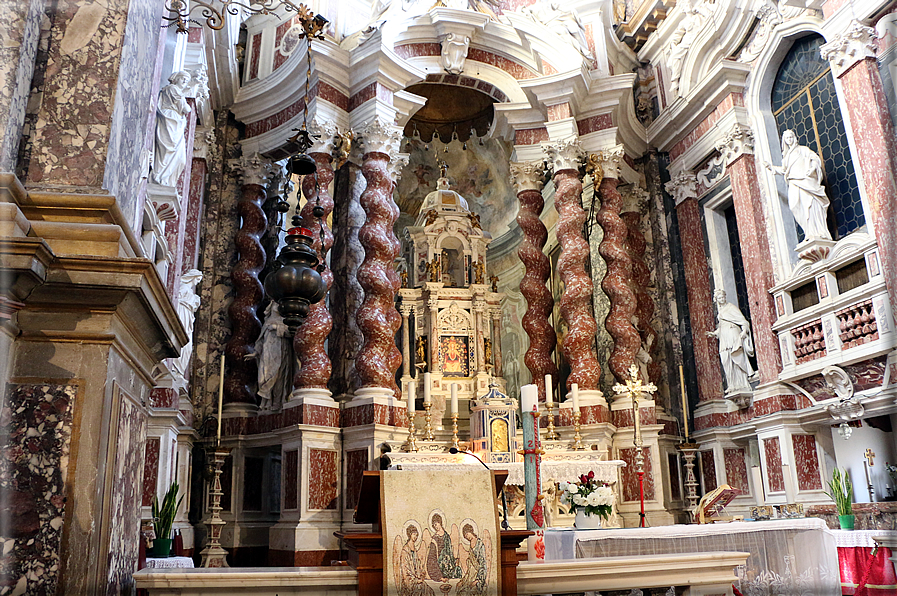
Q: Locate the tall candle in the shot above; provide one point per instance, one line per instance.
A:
(220, 396)
(454, 398)
(758, 485)
(549, 400)
(426, 388)
(411, 390)
(529, 398)
(684, 401)
(575, 390)
(789, 483)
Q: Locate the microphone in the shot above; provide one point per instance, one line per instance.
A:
(504, 501)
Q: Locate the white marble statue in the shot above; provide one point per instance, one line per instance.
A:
(735, 344)
(683, 37)
(565, 23)
(170, 155)
(454, 52)
(274, 354)
(188, 303)
(802, 169)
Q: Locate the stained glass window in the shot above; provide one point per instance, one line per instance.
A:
(804, 100)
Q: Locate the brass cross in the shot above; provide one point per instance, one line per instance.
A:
(870, 456)
(634, 387)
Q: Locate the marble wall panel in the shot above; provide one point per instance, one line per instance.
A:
(806, 462)
(126, 496)
(736, 470)
(254, 57)
(675, 480)
(37, 430)
(291, 479)
(630, 475)
(150, 470)
(774, 478)
(356, 464)
(708, 470)
(19, 35)
(193, 216)
(731, 101)
(322, 475)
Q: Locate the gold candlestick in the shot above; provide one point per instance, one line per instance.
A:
(428, 429)
(213, 555)
(551, 435)
(577, 438)
(410, 445)
(455, 442)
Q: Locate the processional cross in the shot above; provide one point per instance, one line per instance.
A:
(634, 389)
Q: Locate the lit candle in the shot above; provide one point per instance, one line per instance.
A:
(411, 389)
(426, 388)
(220, 396)
(454, 398)
(549, 400)
(575, 391)
(684, 401)
(529, 398)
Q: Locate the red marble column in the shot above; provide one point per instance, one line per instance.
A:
(240, 374)
(854, 63)
(578, 344)
(527, 178)
(308, 342)
(697, 285)
(617, 282)
(379, 358)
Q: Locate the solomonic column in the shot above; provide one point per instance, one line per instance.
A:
(578, 344)
(379, 358)
(617, 282)
(308, 343)
(527, 178)
(254, 172)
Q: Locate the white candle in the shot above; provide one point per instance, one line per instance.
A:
(758, 485)
(454, 398)
(426, 388)
(529, 398)
(575, 391)
(220, 396)
(789, 483)
(411, 388)
(549, 400)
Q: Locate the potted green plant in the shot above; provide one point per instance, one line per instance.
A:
(842, 494)
(163, 518)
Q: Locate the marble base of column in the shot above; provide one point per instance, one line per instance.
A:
(374, 405)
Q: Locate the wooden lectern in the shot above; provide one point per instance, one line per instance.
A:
(366, 548)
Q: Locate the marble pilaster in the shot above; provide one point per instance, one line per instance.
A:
(19, 35)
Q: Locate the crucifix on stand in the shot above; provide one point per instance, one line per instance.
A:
(868, 463)
(634, 389)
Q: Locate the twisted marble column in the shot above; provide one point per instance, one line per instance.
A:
(379, 358)
(240, 373)
(308, 343)
(578, 344)
(616, 283)
(527, 178)
(635, 203)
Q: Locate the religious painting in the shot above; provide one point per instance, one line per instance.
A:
(443, 544)
(453, 353)
(500, 435)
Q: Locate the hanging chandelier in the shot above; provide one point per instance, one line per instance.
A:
(216, 11)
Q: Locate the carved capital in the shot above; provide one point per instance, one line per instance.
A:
(635, 199)
(737, 142)
(405, 309)
(380, 136)
(252, 169)
(857, 43)
(326, 131)
(204, 143)
(683, 185)
(397, 163)
(527, 175)
(607, 162)
(433, 303)
(564, 155)
(479, 305)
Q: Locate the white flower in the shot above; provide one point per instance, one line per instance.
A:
(604, 495)
(594, 499)
(579, 500)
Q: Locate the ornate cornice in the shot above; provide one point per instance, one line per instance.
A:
(564, 155)
(380, 136)
(683, 185)
(737, 142)
(857, 43)
(252, 169)
(527, 175)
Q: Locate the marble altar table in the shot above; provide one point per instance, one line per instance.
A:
(797, 552)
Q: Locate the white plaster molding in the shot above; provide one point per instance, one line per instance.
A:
(379, 135)
(527, 175)
(611, 161)
(454, 52)
(327, 131)
(737, 142)
(857, 43)
(252, 169)
(397, 163)
(564, 155)
(683, 185)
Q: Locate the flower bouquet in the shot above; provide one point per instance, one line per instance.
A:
(591, 499)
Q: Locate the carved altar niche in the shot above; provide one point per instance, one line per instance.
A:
(456, 352)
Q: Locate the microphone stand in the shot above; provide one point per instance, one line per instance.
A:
(504, 501)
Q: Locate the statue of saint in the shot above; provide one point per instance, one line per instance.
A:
(494, 280)
(487, 350)
(274, 354)
(802, 169)
(696, 14)
(171, 121)
(479, 269)
(563, 22)
(188, 302)
(420, 350)
(735, 344)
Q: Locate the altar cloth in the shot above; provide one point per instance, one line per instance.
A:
(169, 563)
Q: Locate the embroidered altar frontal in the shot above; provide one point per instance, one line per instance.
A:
(440, 533)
